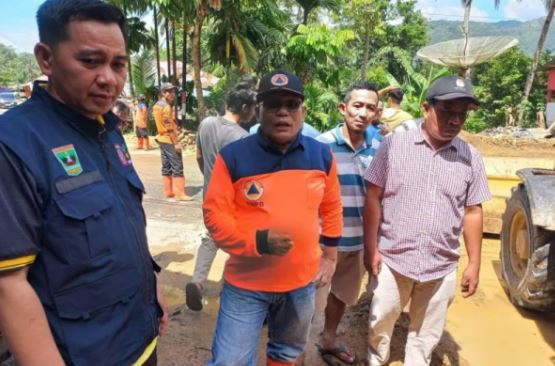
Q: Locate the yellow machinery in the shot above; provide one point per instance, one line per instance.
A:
(522, 211)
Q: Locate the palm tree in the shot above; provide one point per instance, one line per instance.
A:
(202, 8)
(550, 7)
(239, 34)
(309, 5)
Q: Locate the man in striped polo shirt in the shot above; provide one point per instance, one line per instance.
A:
(353, 142)
(425, 185)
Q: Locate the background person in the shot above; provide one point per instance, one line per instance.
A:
(265, 199)
(170, 148)
(77, 282)
(353, 143)
(393, 115)
(141, 124)
(121, 110)
(424, 186)
(213, 134)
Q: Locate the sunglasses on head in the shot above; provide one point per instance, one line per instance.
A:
(276, 104)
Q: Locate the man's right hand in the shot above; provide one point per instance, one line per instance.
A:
(279, 243)
(177, 147)
(373, 262)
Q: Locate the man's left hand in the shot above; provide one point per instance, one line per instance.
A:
(165, 318)
(469, 280)
(327, 268)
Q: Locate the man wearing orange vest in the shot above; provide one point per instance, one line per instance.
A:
(170, 148)
(273, 203)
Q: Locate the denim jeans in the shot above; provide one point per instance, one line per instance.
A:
(242, 313)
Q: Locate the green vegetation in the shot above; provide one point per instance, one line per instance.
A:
(328, 43)
(17, 68)
(527, 32)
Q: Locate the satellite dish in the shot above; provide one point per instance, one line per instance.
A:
(465, 53)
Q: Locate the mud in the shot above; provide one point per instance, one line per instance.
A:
(483, 330)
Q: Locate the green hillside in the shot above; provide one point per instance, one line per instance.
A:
(527, 33)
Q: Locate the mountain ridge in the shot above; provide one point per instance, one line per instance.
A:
(527, 32)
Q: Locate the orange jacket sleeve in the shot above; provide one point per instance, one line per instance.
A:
(219, 215)
(331, 209)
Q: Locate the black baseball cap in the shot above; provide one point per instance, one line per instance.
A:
(452, 87)
(280, 80)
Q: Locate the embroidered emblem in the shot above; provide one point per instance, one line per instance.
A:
(279, 80)
(460, 83)
(67, 157)
(253, 190)
(123, 154)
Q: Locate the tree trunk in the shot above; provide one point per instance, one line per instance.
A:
(168, 50)
(157, 45)
(197, 60)
(184, 70)
(536, 61)
(466, 32)
(365, 55)
(130, 64)
(174, 55)
(174, 66)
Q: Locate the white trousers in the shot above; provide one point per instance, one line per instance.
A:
(428, 309)
(205, 256)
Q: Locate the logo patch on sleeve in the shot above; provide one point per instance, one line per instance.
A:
(253, 190)
(123, 154)
(67, 157)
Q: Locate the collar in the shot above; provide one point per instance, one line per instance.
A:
(269, 145)
(420, 139)
(369, 133)
(86, 125)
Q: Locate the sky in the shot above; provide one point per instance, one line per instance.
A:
(18, 25)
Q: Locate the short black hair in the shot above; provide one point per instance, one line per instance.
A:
(359, 85)
(121, 106)
(239, 95)
(396, 95)
(54, 16)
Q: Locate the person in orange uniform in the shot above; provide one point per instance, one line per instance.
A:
(170, 148)
(141, 124)
(273, 203)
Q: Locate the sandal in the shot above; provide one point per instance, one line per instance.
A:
(332, 355)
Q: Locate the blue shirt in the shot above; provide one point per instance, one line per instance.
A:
(351, 166)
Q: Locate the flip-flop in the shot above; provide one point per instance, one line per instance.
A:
(332, 354)
(193, 297)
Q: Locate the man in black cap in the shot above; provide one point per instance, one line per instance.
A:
(272, 203)
(424, 185)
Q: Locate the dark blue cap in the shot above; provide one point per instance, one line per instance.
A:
(280, 80)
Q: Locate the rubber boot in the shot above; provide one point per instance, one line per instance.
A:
(179, 189)
(270, 362)
(139, 143)
(168, 189)
(147, 143)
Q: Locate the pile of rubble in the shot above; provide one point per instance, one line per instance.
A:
(519, 132)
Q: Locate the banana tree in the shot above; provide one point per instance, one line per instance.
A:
(416, 82)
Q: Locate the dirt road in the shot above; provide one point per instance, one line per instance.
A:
(486, 330)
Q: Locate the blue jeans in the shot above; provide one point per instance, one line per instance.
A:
(242, 313)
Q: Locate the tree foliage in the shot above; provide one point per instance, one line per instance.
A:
(17, 68)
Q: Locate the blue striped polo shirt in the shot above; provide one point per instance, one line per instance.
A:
(351, 166)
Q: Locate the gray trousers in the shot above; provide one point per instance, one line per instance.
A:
(205, 256)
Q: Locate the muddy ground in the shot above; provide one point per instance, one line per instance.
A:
(484, 330)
